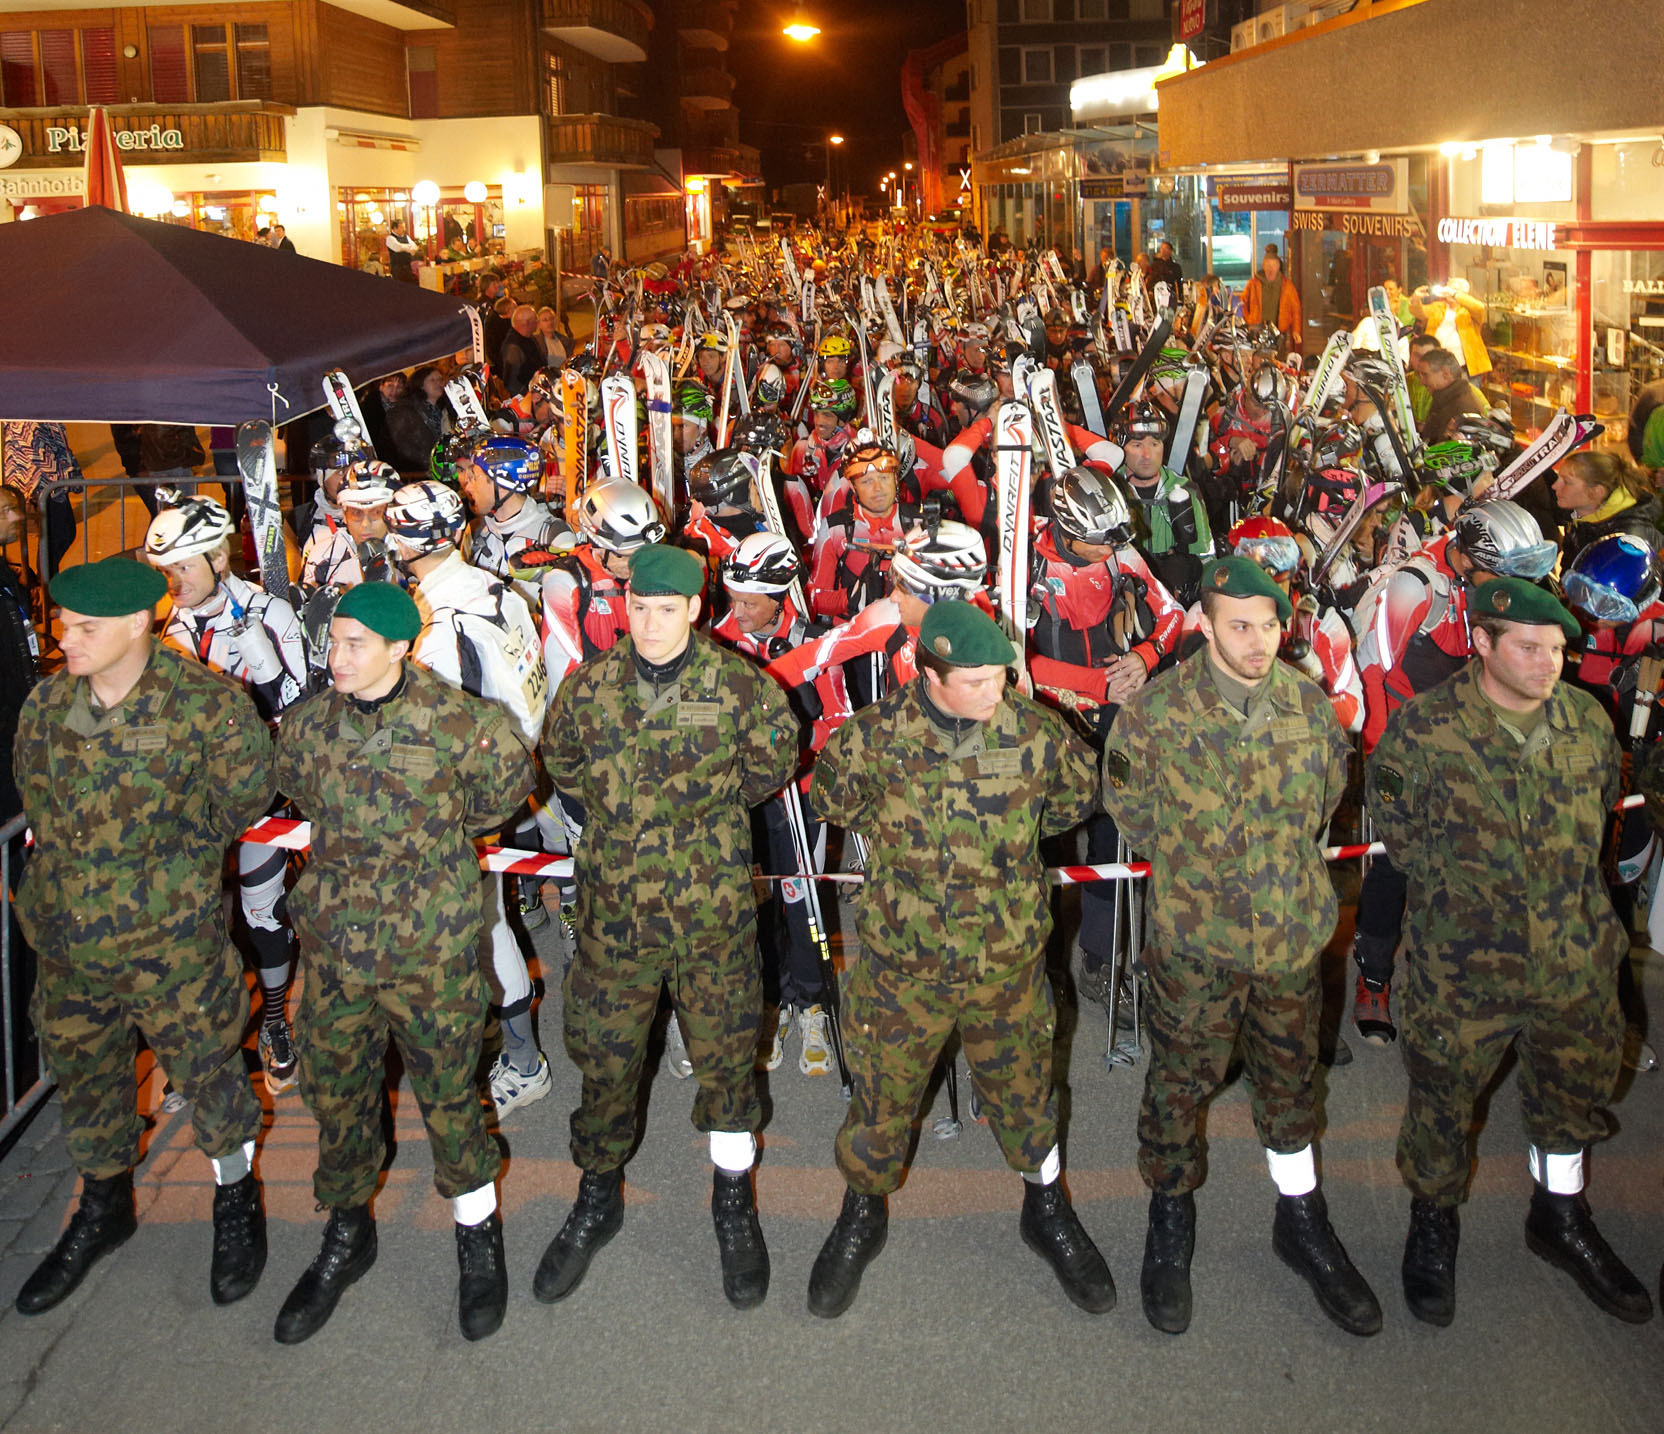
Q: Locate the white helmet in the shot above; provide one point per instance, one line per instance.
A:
(368, 485)
(196, 527)
(425, 516)
(951, 561)
(618, 517)
(765, 562)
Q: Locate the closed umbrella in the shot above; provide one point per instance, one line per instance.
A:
(105, 181)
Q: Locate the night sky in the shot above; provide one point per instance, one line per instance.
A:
(847, 80)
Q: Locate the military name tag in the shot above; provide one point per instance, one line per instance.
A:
(1001, 762)
(1117, 767)
(698, 714)
(144, 739)
(418, 761)
(1288, 729)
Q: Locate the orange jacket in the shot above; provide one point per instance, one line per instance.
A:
(1287, 317)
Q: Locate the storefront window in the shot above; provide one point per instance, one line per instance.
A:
(1628, 311)
(1176, 212)
(453, 228)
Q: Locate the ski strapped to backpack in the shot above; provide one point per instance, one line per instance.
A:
(618, 419)
(1013, 455)
(1561, 437)
(257, 463)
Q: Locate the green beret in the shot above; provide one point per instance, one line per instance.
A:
(1515, 600)
(659, 570)
(115, 587)
(1244, 578)
(384, 608)
(962, 635)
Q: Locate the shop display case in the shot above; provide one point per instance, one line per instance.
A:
(1533, 349)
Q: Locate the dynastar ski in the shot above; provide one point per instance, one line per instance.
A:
(618, 421)
(1013, 453)
(1190, 409)
(257, 462)
(660, 429)
(1086, 385)
(1562, 436)
(883, 417)
(1042, 397)
(574, 413)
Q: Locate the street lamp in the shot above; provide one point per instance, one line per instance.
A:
(802, 29)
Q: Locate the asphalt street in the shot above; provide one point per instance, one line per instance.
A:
(958, 1325)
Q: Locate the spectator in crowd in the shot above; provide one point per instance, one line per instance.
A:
(1269, 297)
(401, 252)
(33, 453)
(491, 290)
(1452, 315)
(554, 342)
(1164, 269)
(520, 356)
(1600, 493)
(280, 240)
(417, 421)
(1452, 394)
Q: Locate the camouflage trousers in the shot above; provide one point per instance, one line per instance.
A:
(1569, 1046)
(610, 998)
(193, 1022)
(1198, 1015)
(896, 1023)
(435, 1014)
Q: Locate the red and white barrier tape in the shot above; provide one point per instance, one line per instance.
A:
(297, 836)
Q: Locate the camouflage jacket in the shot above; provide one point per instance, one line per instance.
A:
(955, 872)
(665, 783)
(132, 810)
(1501, 843)
(1231, 814)
(394, 794)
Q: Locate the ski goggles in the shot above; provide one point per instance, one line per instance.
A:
(1531, 563)
(1598, 601)
(1276, 554)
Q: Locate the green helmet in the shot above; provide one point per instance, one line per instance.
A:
(442, 460)
(836, 395)
(693, 400)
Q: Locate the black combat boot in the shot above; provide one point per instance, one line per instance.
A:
(858, 1235)
(597, 1215)
(102, 1221)
(1308, 1245)
(1430, 1262)
(740, 1239)
(349, 1249)
(239, 1240)
(1560, 1229)
(1164, 1282)
(482, 1293)
(1050, 1227)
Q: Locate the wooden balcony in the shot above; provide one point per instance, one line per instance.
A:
(602, 141)
(236, 132)
(705, 24)
(708, 88)
(615, 31)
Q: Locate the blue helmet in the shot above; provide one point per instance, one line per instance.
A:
(1614, 578)
(513, 464)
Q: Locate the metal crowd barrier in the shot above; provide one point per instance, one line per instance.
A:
(25, 1080)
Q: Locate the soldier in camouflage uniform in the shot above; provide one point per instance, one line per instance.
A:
(1491, 792)
(1224, 771)
(137, 769)
(665, 740)
(396, 770)
(953, 781)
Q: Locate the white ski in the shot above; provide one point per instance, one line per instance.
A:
(1042, 398)
(1562, 436)
(1386, 332)
(1014, 437)
(660, 429)
(257, 462)
(1086, 385)
(618, 417)
(1190, 409)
